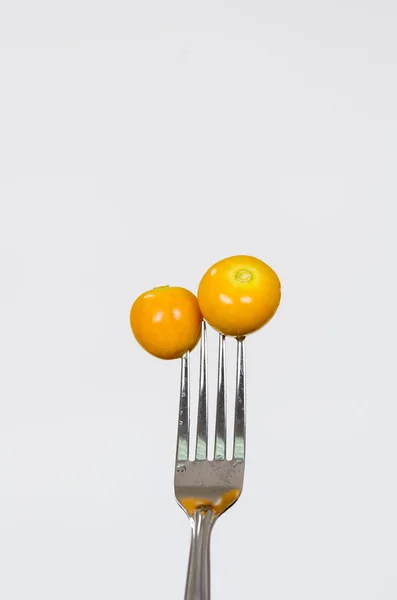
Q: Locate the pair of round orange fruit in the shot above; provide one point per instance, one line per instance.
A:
(236, 296)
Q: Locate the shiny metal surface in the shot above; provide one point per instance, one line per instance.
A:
(182, 451)
(239, 419)
(220, 426)
(202, 425)
(205, 488)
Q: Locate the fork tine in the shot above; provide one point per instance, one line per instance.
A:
(182, 450)
(239, 420)
(202, 433)
(220, 426)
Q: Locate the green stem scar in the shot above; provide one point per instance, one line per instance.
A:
(243, 275)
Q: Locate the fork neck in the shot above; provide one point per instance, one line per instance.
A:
(198, 577)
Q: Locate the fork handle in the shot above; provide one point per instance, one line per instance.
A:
(198, 573)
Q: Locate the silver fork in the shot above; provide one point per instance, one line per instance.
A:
(205, 488)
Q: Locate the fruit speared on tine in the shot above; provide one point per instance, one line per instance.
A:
(239, 295)
(236, 296)
(166, 321)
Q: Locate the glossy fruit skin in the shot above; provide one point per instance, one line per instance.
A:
(166, 321)
(239, 295)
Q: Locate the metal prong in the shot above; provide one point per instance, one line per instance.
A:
(182, 450)
(239, 421)
(202, 433)
(220, 427)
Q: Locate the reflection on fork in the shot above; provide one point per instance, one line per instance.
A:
(204, 488)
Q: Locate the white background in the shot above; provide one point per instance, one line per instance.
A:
(139, 143)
